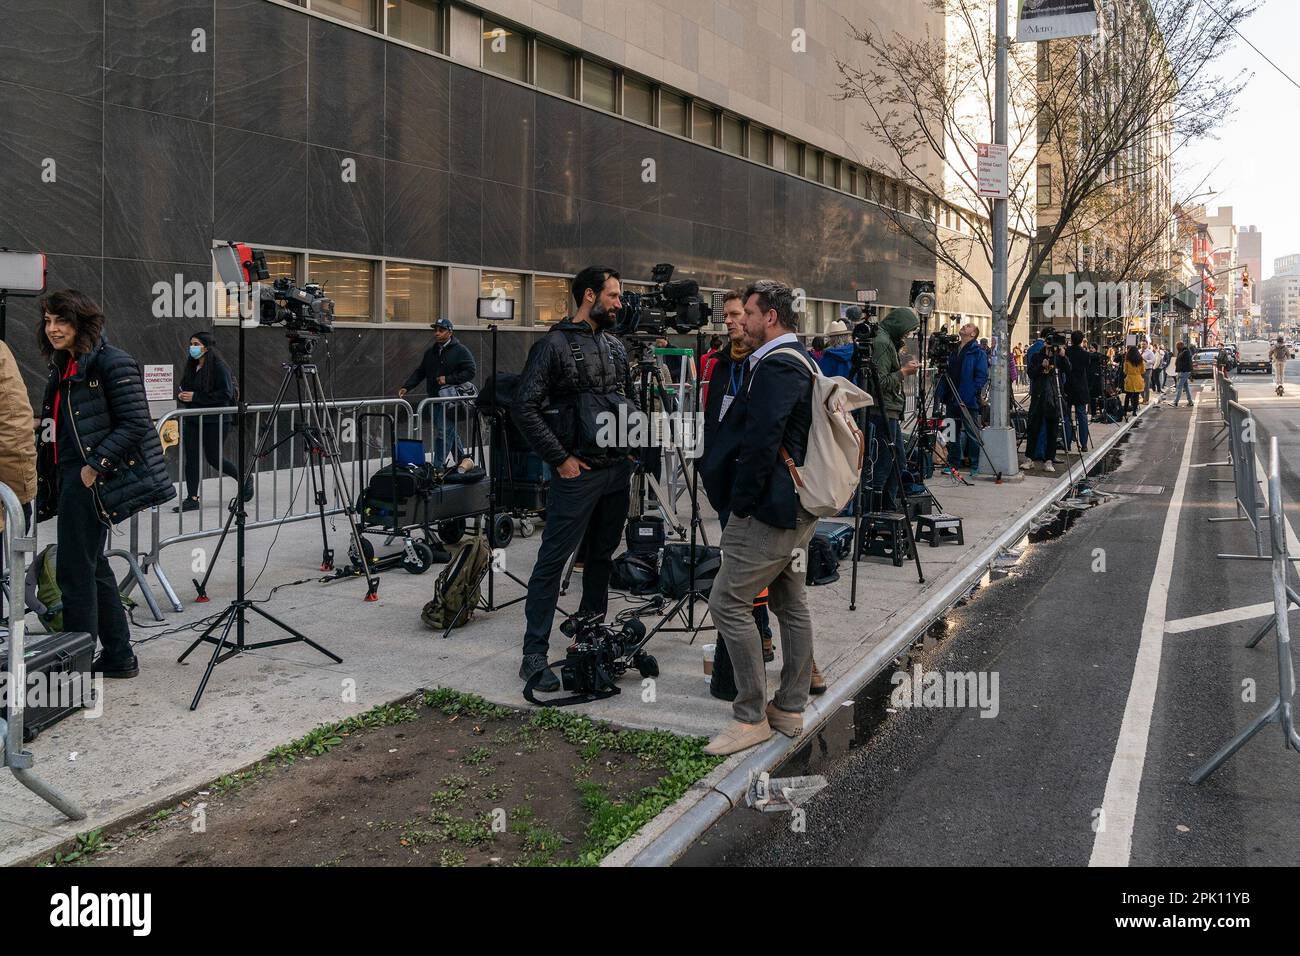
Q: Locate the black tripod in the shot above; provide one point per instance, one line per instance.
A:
(972, 428)
(316, 424)
(313, 427)
(863, 364)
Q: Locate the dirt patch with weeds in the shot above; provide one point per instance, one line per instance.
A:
(441, 779)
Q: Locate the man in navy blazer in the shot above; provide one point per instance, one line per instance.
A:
(768, 423)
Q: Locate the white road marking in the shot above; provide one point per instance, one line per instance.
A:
(1114, 842)
(1231, 616)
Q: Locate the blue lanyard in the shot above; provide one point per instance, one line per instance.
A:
(734, 390)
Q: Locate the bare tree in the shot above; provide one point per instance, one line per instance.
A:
(1089, 107)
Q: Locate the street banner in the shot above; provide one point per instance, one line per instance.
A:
(1055, 19)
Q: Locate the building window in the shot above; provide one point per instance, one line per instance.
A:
(760, 144)
(638, 100)
(672, 113)
(360, 12)
(830, 171)
(812, 164)
(598, 86)
(1044, 64)
(505, 51)
(793, 155)
(733, 134)
(349, 282)
(412, 293)
(510, 284)
(702, 131)
(555, 69)
(551, 299)
(1044, 184)
(418, 22)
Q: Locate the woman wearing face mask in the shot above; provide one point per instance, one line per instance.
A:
(207, 382)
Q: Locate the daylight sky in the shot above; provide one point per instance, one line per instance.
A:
(1254, 165)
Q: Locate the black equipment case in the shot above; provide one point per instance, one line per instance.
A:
(65, 660)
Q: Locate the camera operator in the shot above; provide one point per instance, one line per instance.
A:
(769, 421)
(98, 461)
(968, 373)
(887, 438)
(1077, 391)
(1044, 362)
(576, 375)
(446, 366)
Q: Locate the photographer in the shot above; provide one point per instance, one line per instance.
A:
(769, 421)
(446, 366)
(1077, 391)
(577, 375)
(98, 461)
(1044, 362)
(207, 382)
(886, 438)
(968, 373)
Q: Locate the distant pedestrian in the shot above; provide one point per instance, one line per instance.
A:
(1135, 380)
(818, 347)
(1149, 366)
(1279, 353)
(1183, 368)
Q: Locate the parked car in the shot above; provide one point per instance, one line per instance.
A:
(1203, 363)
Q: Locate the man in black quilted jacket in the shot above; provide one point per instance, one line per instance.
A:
(576, 376)
(98, 461)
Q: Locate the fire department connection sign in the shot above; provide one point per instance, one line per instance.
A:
(991, 168)
(158, 383)
(1055, 19)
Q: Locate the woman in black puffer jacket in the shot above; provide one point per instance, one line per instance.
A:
(98, 461)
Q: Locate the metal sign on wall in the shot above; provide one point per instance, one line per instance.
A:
(1055, 19)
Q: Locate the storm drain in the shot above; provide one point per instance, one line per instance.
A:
(1136, 489)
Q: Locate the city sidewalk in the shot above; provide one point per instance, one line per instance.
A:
(148, 747)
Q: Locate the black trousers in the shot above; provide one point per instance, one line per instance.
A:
(90, 599)
(593, 505)
(213, 430)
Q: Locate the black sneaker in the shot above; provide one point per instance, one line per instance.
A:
(548, 683)
(189, 504)
(112, 669)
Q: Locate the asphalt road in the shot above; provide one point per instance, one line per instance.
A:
(945, 786)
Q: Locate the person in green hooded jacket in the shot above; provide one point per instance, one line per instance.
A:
(886, 437)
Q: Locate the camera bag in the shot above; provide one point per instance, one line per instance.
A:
(62, 661)
(675, 571)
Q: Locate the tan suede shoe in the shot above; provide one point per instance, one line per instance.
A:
(817, 684)
(737, 737)
(789, 724)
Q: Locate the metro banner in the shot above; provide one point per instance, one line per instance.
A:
(1055, 19)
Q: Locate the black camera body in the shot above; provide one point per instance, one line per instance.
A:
(599, 655)
(300, 309)
(941, 345)
(669, 305)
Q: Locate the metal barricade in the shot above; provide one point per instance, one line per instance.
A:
(1281, 710)
(1245, 480)
(278, 479)
(448, 425)
(18, 760)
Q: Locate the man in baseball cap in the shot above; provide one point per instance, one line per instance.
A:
(446, 365)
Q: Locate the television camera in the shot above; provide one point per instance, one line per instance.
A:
(669, 305)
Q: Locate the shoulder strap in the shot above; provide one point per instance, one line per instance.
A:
(811, 367)
(577, 357)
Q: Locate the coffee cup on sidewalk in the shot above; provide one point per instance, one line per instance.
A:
(708, 658)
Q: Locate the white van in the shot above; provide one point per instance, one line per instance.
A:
(1253, 357)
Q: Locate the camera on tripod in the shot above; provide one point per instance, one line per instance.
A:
(600, 654)
(674, 305)
(300, 309)
(941, 345)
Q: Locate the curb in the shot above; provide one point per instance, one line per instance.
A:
(665, 838)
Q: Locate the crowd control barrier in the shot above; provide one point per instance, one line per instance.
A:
(1280, 711)
(21, 548)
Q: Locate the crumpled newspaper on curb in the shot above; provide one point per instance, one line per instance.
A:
(781, 794)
